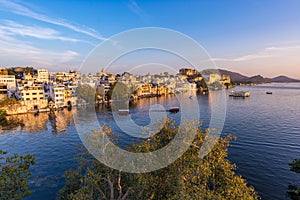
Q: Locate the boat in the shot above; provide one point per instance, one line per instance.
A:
(123, 112)
(239, 94)
(174, 109)
(269, 93)
(191, 97)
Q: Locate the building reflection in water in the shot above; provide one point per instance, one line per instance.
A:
(58, 120)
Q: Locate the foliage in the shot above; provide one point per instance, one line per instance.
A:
(295, 165)
(119, 91)
(2, 117)
(202, 84)
(189, 177)
(14, 174)
(11, 71)
(8, 102)
(30, 70)
(294, 191)
(86, 92)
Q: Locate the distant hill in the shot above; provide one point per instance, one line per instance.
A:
(257, 79)
(239, 78)
(235, 77)
(284, 79)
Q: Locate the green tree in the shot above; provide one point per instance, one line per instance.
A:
(8, 102)
(2, 117)
(189, 177)
(86, 92)
(294, 191)
(14, 175)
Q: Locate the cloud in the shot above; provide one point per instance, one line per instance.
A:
(19, 9)
(16, 52)
(13, 28)
(135, 8)
(268, 52)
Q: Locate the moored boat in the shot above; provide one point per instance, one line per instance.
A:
(123, 112)
(269, 93)
(239, 94)
(174, 109)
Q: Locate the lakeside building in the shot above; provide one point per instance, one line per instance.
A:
(188, 72)
(43, 76)
(28, 93)
(213, 78)
(59, 89)
(57, 95)
(3, 90)
(226, 79)
(9, 81)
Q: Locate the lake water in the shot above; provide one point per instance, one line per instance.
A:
(267, 127)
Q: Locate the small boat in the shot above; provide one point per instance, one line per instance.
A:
(123, 112)
(269, 93)
(191, 97)
(174, 109)
(239, 94)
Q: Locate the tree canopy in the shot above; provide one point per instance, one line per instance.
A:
(294, 191)
(14, 175)
(189, 177)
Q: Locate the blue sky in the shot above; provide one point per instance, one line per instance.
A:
(248, 36)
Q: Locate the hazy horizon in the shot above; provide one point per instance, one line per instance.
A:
(249, 37)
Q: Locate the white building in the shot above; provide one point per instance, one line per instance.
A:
(43, 76)
(29, 93)
(57, 93)
(8, 80)
(214, 78)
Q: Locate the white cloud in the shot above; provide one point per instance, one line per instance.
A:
(135, 8)
(19, 9)
(13, 28)
(268, 52)
(16, 52)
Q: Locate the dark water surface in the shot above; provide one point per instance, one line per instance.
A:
(267, 127)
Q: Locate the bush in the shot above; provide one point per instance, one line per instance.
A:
(14, 175)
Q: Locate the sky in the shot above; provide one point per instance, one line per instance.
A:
(250, 36)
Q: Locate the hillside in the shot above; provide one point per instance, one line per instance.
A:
(239, 78)
(235, 77)
(256, 79)
(284, 79)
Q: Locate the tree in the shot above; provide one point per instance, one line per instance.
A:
(14, 175)
(87, 93)
(8, 102)
(294, 191)
(2, 117)
(189, 177)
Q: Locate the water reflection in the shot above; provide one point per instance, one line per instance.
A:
(31, 123)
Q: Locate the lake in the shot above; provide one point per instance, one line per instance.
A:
(267, 129)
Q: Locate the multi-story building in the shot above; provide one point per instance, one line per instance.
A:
(29, 93)
(57, 94)
(214, 78)
(188, 72)
(226, 79)
(8, 80)
(3, 90)
(43, 76)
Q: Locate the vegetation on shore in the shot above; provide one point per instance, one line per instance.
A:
(4, 103)
(294, 191)
(189, 177)
(14, 175)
